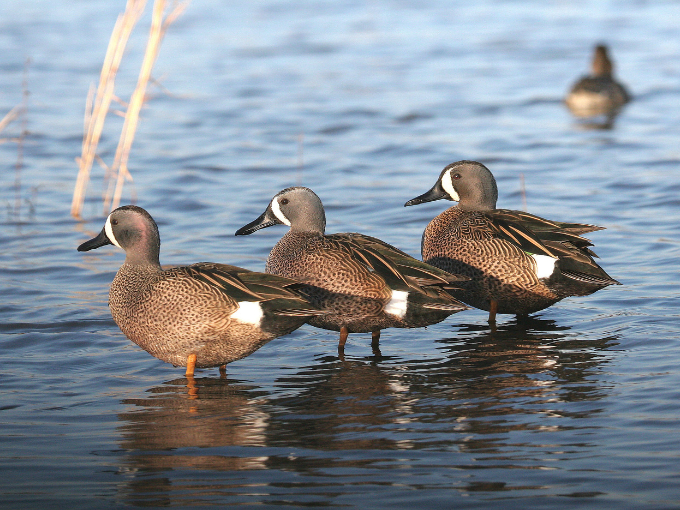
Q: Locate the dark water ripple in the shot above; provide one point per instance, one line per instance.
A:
(365, 103)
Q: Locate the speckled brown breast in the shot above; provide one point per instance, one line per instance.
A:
(461, 242)
(171, 315)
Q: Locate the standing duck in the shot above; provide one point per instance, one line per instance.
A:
(599, 93)
(363, 282)
(517, 263)
(203, 315)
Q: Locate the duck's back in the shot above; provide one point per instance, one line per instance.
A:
(464, 242)
(324, 262)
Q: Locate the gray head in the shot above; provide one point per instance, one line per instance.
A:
(602, 65)
(469, 183)
(132, 229)
(297, 207)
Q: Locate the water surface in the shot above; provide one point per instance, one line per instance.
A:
(365, 103)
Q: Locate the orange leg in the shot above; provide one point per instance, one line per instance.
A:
(223, 371)
(492, 311)
(344, 333)
(191, 365)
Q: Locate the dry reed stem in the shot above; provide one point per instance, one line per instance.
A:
(9, 117)
(120, 163)
(97, 108)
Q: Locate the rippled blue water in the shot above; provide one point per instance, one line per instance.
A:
(364, 102)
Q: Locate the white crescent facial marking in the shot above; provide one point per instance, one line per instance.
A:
(249, 312)
(278, 213)
(447, 184)
(109, 232)
(545, 266)
(397, 304)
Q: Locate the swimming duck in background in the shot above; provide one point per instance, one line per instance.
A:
(517, 263)
(365, 283)
(203, 315)
(599, 93)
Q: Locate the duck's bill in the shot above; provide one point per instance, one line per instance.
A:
(101, 240)
(266, 219)
(436, 193)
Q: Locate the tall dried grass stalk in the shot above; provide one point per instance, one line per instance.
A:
(97, 108)
(7, 120)
(158, 29)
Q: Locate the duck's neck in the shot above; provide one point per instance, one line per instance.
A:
(602, 66)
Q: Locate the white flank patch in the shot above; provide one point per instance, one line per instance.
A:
(447, 184)
(109, 232)
(249, 312)
(397, 304)
(545, 266)
(277, 211)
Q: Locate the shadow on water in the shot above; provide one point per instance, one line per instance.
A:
(510, 401)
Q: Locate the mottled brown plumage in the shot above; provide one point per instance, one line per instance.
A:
(219, 313)
(362, 281)
(521, 262)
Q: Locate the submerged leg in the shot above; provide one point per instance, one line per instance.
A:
(344, 333)
(492, 311)
(375, 343)
(191, 365)
(223, 371)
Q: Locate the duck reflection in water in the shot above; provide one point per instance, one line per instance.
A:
(474, 403)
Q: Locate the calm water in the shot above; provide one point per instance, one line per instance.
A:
(365, 102)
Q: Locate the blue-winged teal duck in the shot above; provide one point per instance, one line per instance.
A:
(518, 263)
(365, 283)
(598, 93)
(203, 315)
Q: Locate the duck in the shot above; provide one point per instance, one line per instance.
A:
(202, 315)
(597, 93)
(365, 284)
(517, 263)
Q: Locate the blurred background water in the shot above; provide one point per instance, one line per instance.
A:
(365, 102)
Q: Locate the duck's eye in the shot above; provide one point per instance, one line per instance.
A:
(284, 201)
(456, 176)
(114, 222)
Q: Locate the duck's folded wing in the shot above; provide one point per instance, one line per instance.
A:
(396, 266)
(245, 285)
(538, 224)
(561, 240)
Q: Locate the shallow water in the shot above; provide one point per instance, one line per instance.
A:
(365, 103)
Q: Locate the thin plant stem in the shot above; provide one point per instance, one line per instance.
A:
(98, 107)
(120, 164)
